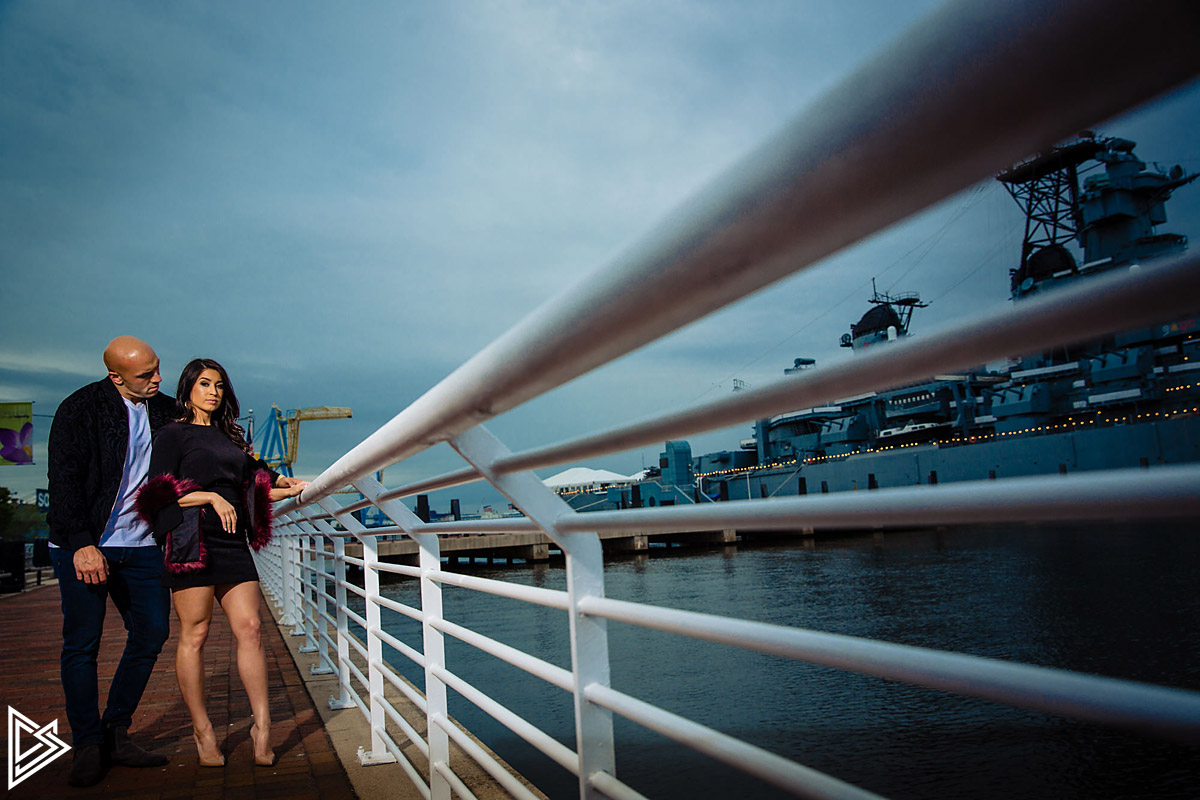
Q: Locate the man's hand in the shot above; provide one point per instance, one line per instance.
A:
(90, 565)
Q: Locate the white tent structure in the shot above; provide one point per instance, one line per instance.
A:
(583, 479)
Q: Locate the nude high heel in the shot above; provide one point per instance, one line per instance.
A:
(208, 761)
(264, 756)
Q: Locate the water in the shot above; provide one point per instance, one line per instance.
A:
(1120, 601)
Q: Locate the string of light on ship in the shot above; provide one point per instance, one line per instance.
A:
(1070, 423)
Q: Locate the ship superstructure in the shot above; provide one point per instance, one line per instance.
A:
(1130, 399)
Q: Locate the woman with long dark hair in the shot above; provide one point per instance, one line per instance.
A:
(208, 501)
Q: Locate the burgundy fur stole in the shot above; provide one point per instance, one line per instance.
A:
(258, 503)
(195, 555)
(176, 530)
(161, 491)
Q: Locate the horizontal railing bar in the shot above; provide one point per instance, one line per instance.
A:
(1164, 492)
(358, 701)
(357, 673)
(329, 640)
(331, 620)
(999, 81)
(795, 778)
(404, 569)
(551, 598)
(398, 569)
(483, 526)
(611, 787)
(496, 525)
(330, 663)
(393, 748)
(1102, 305)
(399, 608)
(1165, 711)
(391, 530)
(352, 615)
(414, 696)
(350, 508)
(333, 533)
(408, 730)
(1156, 492)
(408, 651)
(551, 673)
(564, 756)
(458, 788)
(303, 514)
(483, 759)
(445, 481)
(362, 652)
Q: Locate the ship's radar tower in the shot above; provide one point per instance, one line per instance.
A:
(886, 322)
(1112, 217)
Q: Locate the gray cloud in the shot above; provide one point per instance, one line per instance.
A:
(343, 205)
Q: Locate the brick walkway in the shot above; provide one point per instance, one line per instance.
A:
(306, 765)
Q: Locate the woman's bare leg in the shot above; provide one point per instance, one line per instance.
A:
(194, 607)
(241, 603)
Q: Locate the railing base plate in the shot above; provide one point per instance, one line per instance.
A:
(371, 758)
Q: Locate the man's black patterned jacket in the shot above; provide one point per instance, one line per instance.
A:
(88, 442)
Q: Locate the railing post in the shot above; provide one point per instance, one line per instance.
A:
(323, 577)
(378, 754)
(589, 661)
(309, 619)
(585, 579)
(316, 643)
(298, 580)
(343, 699)
(432, 640)
(288, 589)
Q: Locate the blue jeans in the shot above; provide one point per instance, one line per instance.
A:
(134, 584)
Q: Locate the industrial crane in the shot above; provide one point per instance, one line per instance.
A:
(282, 439)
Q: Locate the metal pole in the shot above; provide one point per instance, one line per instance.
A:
(433, 644)
(585, 579)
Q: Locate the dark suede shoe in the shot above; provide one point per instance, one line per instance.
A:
(122, 750)
(88, 767)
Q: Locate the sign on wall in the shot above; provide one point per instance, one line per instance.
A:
(16, 433)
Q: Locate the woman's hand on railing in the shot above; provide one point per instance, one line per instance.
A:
(287, 487)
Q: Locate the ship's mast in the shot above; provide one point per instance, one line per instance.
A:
(1112, 218)
(903, 304)
(1047, 190)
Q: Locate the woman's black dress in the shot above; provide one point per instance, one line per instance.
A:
(204, 454)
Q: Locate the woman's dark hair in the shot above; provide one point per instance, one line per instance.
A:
(226, 415)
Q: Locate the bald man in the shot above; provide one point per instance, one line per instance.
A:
(99, 452)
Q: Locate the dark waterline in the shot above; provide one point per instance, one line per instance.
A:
(1118, 600)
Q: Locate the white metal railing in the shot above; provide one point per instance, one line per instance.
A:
(972, 89)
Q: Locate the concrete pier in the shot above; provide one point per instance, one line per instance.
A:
(508, 548)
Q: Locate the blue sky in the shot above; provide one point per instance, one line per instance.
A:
(342, 203)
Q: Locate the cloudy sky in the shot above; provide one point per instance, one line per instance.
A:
(344, 202)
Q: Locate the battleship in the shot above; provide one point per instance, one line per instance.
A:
(1129, 400)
